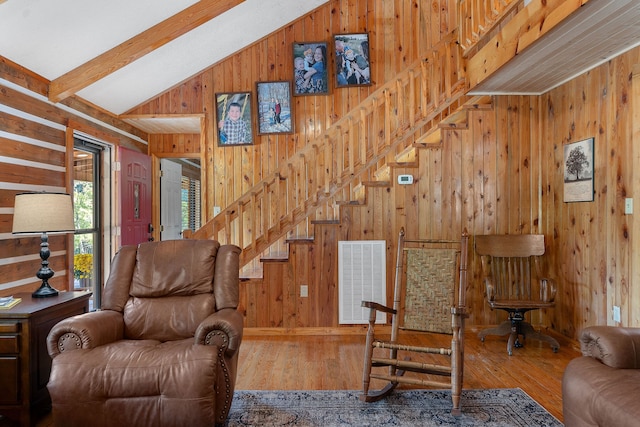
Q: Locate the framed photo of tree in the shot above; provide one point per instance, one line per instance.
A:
(233, 114)
(274, 107)
(579, 171)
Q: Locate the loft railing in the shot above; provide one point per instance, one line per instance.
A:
(381, 125)
(476, 18)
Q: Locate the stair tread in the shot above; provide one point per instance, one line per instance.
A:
(325, 221)
(304, 240)
(377, 183)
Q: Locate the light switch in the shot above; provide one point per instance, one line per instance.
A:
(628, 206)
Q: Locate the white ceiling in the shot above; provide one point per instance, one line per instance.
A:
(52, 38)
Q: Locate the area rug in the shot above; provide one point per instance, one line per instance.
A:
(492, 407)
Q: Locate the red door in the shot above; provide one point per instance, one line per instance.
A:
(135, 191)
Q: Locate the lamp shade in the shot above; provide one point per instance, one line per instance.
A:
(43, 213)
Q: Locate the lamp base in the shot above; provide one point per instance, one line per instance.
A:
(44, 291)
(45, 273)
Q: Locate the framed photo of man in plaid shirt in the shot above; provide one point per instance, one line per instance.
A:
(234, 118)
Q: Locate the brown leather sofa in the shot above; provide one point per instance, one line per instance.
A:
(602, 387)
(163, 349)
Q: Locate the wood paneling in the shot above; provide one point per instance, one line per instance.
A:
(33, 157)
(504, 174)
(395, 38)
(500, 173)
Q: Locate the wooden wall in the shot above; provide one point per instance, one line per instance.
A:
(398, 30)
(501, 175)
(36, 149)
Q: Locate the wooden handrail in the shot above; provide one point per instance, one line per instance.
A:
(476, 18)
(378, 127)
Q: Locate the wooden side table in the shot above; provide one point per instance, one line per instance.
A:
(25, 364)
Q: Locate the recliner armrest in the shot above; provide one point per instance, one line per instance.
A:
(616, 347)
(84, 331)
(223, 328)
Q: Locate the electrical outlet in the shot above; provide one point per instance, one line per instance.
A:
(216, 210)
(628, 206)
(616, 313)
(304, 291)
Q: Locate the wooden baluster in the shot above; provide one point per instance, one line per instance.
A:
(400, 113)
(278, 203)
(448, 69)
(412, 98)
(387, 121)
(352, 147)
(364, 138)
(427, 94)
(265, 211)
(254, 224)
(303, 179)
(292, 191)
(475, 20)
(227, 226)
(240, 241)
(328, 170)
(436, 81)
(317, 168)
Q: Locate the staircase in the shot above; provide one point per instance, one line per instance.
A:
(382, 131)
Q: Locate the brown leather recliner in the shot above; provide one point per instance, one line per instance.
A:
(602, 387)
(163, 349)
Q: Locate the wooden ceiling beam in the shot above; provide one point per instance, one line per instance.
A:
(527, 27)
(136, 47)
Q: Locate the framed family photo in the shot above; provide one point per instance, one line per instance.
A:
(578, 171)
(352, 60)
(274, 107)
(233, 117)
(310, 65)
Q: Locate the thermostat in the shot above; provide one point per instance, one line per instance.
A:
(405, 179)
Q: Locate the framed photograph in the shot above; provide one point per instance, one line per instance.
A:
(274, 107)
(233, 116)
(579, 171)
(310, 64)
(352, 60)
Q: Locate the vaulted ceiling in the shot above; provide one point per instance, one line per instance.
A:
(117, 54)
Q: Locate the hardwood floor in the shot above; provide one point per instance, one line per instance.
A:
(286, 362)
(334, 362)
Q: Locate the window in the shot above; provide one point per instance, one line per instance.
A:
(86, 206)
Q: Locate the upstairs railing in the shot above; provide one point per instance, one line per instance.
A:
(477, 17)
(379, 127)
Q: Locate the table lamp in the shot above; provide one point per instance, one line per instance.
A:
(43, 213)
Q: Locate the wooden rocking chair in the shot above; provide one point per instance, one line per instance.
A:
(432, 289)
(514, 283)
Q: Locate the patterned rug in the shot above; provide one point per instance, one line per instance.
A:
(493, 407)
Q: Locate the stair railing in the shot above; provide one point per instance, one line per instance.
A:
(476, 18)
(358, 142)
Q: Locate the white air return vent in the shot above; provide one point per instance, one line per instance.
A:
(361, 277)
